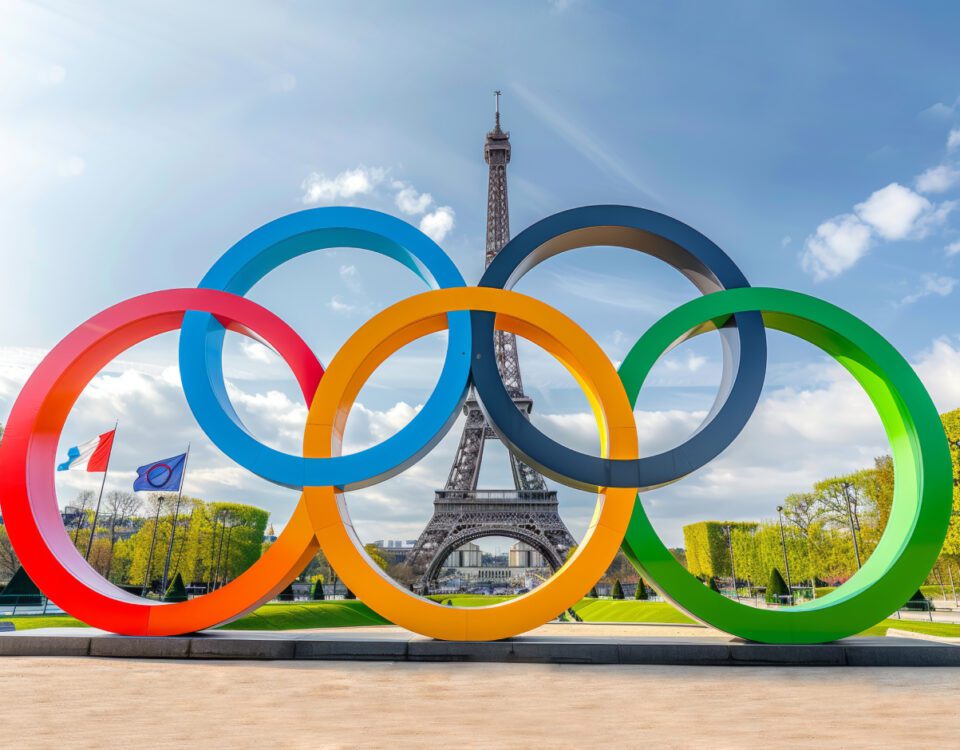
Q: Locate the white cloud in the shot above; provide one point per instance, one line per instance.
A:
(438, 223)
(894, 211)
(953, 140)
(786, 240)
(363, 181)
(941, 110)
(257, 351)
(343, 308)
(348, 184)
(837, 245)
(692, 363)
(939, 369)
(953, 248)
(891, 213)
(410, 201)
(797, 435)
(938, 179)
(933, 285)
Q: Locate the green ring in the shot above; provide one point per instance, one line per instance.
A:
(923, 483)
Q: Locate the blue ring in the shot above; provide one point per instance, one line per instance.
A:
(703, 263)
(237, 270)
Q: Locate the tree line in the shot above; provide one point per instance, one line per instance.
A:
(828, 531)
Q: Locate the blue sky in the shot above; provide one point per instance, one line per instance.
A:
(813, 143)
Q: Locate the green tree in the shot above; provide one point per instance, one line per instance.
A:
(951, 425)
(617, 592)
(777, 588)
(176, 591)
(593, 593)
(9, 562)
(707, 547)
(214, 542)
(641, 592)
(121, 506)
(374, 554)
(317, 592)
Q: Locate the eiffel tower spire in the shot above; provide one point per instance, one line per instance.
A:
(462, 513)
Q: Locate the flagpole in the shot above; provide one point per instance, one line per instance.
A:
(153, 541)
(103, 483)
(173, 529)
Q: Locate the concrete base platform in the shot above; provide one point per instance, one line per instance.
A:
(550, 645)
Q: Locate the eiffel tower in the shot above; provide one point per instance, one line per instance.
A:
(461, 512)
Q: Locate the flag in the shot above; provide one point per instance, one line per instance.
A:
(164, 475)
(93, 455)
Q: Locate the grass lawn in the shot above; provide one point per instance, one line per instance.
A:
(300, 615)
(277, 616)
(628, 610)
(471, 600)
(342, 614)
(29, 622)
(942, 629)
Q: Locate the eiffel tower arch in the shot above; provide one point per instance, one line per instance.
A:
(528, 511)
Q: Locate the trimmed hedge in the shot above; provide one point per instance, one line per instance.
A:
(777, 588)
(176, 591)
(617, 592)
(641, 592)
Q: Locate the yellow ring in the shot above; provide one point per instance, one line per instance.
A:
(377, 339)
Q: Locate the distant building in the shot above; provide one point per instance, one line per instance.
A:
(522, 566)
(524, 556)
(467, 556)
(395, 550)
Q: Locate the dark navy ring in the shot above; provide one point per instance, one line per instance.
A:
(696, 257)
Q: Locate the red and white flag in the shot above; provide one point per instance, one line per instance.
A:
(92, 455)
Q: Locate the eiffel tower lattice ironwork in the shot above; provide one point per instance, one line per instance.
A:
(461, 512)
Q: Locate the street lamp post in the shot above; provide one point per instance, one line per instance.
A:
(733, 567)
(153, 541)
(853, 527)
(786, 560)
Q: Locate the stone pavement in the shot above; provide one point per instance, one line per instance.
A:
(580, 643)
(146, 704)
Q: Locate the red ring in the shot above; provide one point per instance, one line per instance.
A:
(28, 454)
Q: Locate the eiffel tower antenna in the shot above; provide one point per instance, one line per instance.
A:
(528, 511)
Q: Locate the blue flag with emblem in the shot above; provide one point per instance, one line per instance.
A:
(164, 475)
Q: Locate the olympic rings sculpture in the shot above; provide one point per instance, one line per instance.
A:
(740, 313)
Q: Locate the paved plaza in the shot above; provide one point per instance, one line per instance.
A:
(557, 643)
(83, 703)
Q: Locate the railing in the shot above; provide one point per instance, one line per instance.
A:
(485, 496)
(27, 604)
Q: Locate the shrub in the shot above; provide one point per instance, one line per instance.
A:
(593, 593)
(711, 583)
(287, 594)
(617, 592)
(176, 591)
(641, 593)
(777, 588)
(919, 601)
(349, 595)
(317, 592)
